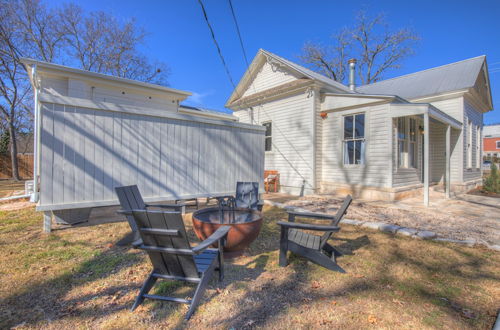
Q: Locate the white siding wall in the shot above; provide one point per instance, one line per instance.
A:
(455, 108)
(79, 88)
(437, 152)
(476, 117)
(292, 137)
(268, 78)
(85, 153)
(319, 138)
(378, 154)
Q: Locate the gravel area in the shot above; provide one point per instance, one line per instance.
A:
(455, 219)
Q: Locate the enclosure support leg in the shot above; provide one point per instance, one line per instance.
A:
(47, 221)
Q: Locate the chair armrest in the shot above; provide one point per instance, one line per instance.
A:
(222, 197)
(214, 238)
(167, 206)
(308, 226)
(319, 216)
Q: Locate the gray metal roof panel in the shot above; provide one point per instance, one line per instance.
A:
(450, 77)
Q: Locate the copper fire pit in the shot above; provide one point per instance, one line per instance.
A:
(245, 227)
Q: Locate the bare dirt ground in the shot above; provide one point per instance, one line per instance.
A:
(10, 187)
(78, 278)
(462, 218)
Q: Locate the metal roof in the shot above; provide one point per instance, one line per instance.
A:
(441, 79)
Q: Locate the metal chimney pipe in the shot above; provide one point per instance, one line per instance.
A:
(352, 69)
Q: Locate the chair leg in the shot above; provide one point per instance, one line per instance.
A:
(283, 247)
(150, 282)
(221, 264)
(200, 289)
(323, 260)
(330, 249)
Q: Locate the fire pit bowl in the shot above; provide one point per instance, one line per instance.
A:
(245, 227)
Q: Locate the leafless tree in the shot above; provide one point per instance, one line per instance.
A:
(99, 42)
(94, 41)
(370, 41)
(27, 30)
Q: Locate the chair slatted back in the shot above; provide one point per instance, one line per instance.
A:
(130, 199)
(335, 222)
(166, 230)
(247, 195)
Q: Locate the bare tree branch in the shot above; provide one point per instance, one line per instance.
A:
(377, 49)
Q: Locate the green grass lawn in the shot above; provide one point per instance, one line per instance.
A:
(78, 278)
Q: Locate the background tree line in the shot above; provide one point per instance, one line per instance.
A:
(68, 35)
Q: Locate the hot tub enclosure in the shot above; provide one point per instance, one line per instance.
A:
(94, 132)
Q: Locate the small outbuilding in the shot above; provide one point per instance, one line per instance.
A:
(94, 132)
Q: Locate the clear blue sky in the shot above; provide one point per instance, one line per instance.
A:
(178, 35)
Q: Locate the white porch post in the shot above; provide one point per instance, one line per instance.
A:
(448, 156)
(426, 158)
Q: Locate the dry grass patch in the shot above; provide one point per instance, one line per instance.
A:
(78, 278)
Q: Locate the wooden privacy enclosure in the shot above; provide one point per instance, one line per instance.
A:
(85, 153)
(95, 132)
(25, 166)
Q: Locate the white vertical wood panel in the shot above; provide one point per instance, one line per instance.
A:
(86, 153)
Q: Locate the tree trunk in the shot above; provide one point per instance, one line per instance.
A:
(13, 152)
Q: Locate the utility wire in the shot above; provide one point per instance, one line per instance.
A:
(216, 44)
(239, 34)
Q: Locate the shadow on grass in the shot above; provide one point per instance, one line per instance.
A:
(44, 300)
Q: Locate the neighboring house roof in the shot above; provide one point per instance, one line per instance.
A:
(491, 130)
(450, 77)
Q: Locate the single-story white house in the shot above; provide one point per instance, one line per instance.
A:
(385, 140)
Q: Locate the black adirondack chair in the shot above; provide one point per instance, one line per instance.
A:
(247, 196)
(313, 247)
(131, 199)
(164, 239)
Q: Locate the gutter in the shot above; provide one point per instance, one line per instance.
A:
(36, 136)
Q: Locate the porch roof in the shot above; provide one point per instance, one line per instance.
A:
(413, 109)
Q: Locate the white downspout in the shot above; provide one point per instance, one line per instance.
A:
(36, 136)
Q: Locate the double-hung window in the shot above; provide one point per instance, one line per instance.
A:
(268, 136)
(407, 142)
(354, 139)
(402, 143)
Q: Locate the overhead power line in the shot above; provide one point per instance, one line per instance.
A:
(216, 43)
(239, 34)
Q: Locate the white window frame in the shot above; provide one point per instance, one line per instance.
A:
(345, 141)
(413, 140)
(270, 137)
(478, 146)
(469, 143)
(498, 144)
(403, 157)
